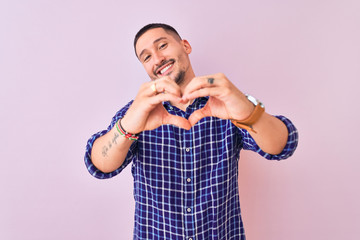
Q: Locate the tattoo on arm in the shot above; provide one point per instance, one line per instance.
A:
(116, 136)
(104, 151)
(107, 147)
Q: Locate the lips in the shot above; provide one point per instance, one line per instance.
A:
(165, 68)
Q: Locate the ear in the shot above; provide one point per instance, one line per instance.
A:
(186, 46)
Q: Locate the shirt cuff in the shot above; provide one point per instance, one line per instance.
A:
(289, 149)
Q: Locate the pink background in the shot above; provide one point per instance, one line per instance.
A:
(66, 66)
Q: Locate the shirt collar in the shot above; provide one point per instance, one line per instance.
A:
(194, 104)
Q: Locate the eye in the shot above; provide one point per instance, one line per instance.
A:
(162, 46)
(146, 58)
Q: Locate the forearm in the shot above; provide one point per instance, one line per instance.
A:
(272, 134)
(109, 151)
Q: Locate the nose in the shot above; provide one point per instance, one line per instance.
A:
(158, 58)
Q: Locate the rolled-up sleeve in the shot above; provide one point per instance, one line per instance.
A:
(94, 171)
(248, 143)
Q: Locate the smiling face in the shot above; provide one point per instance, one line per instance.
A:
(163, 53)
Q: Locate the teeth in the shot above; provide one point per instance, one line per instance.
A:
(165, 69)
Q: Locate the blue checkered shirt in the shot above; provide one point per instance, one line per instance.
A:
(186, 181)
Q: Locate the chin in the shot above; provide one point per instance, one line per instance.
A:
(180, 77)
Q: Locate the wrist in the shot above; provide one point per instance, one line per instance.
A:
(128, 124)
(120, 128)
(254, 116)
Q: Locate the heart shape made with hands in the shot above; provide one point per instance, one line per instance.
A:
(225, 101)
(213, 108)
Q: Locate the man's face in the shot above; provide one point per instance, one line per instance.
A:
(163, 54)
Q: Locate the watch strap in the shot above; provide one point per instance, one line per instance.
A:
(251, 120)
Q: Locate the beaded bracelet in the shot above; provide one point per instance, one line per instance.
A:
(124, 133)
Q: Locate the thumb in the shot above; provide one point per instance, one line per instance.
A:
(198, 115)
(177, 121)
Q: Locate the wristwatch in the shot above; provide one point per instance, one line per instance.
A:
(254, 116)
(254, 101)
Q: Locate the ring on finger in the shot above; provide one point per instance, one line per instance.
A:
(153, 87)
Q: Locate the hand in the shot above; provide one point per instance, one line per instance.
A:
(225, 100)
(147, 111)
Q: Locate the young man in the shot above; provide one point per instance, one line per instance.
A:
(183, 135)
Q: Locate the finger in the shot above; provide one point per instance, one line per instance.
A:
(163, 97)
(203, 92)
(196, 83)
(167, 85)
(177, 121)
(159, 86)
(198, 115)
(147, 89)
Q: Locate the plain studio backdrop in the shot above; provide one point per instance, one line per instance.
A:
(66, 67)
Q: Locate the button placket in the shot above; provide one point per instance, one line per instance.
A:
(189, 186)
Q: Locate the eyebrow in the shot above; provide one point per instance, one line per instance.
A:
(157, 40)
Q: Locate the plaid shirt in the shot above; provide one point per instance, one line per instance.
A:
(186, 181)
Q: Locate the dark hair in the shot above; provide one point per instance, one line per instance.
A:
(146, 28)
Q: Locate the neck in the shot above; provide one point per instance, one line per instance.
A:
(189, 76)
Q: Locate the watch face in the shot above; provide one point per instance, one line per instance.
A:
(254, 100)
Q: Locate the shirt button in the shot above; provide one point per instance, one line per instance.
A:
(188, 209)
(187, 149)
(188, 179)
(190, 239)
